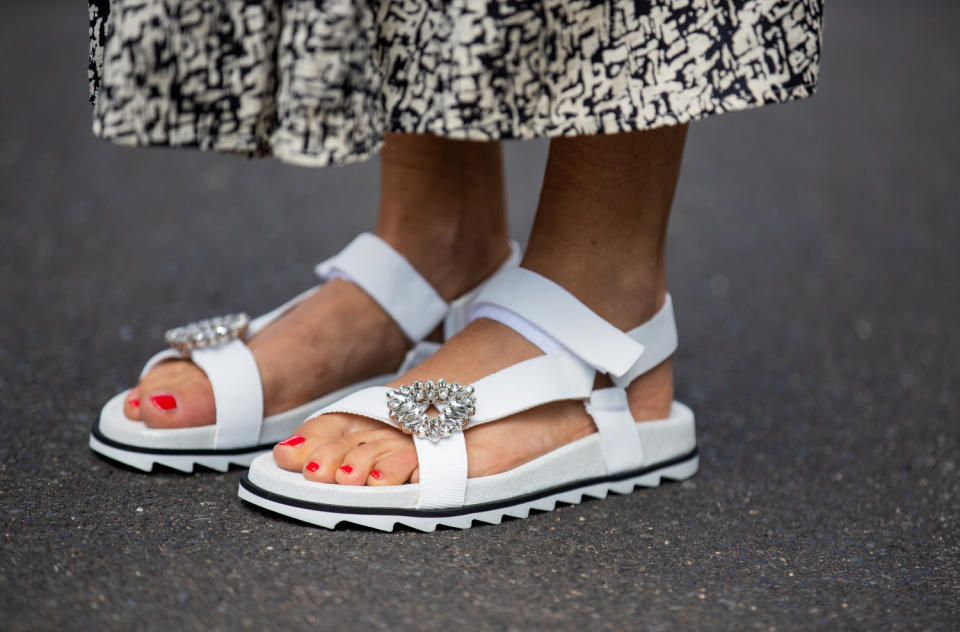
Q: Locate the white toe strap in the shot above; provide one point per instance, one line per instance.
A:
(618, 431)
(443, 471)
(560, 314)
(237, 390)
(391, 281)
(237, 393)
(518, 387)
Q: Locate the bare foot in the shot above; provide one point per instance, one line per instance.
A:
(353, 450)
(442, 206)
(337, 336)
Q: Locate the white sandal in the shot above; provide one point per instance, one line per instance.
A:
(217, 346)
(578, 343)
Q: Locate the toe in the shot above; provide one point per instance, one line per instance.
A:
(294, 452)
(325, 463)
(176, 396)
(131, 405)
(395, 467)
(357, 466)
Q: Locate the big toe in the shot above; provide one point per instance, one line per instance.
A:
(293, 452)
(177, 399)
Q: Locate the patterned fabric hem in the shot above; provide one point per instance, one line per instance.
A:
(286, 150)
(320, 83)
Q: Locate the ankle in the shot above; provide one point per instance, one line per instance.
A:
(453, 260)
(650, 396)
(443, 207)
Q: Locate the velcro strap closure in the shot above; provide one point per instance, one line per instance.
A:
(391, 281)
(237, 393)
(560, 314)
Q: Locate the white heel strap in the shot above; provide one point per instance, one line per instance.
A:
(618, 431)
(563, 317)
(659, 339)
(391, 281)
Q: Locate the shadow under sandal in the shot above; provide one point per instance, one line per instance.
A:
(577, 343)
(241, 432)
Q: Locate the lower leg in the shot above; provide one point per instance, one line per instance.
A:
(601, 231)
(442, 205)
(601, 225)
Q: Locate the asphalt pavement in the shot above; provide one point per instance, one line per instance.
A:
(813, 262)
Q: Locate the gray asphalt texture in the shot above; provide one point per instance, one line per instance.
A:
(813, 261)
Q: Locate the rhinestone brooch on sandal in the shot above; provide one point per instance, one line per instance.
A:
(209, 332)
(408, 405)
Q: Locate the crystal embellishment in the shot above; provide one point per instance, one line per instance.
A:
(209, 332)
(408, 405)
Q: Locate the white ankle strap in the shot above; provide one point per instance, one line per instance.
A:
(560, 314)
(534, 335)
(391, 281)
(552, 318)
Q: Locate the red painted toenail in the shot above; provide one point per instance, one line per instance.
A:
(164, 402)
(346, 469)
(293, 441)
(375, 474)
(134, 402)
(313, 466)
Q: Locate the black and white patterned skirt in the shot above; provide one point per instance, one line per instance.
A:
(319, 82)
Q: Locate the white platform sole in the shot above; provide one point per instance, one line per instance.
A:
(386, 519)
(183, 462)
(564, 475)
(132, 443)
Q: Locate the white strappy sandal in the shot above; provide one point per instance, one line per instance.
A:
(217, 346)
(578, 343)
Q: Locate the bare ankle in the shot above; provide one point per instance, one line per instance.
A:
(443, 206)
(651, 395)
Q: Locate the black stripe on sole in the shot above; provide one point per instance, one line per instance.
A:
(174, 451)
(458, 511)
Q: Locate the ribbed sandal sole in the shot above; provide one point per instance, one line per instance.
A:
(146, 459)
(133, 444)
(387, 518)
